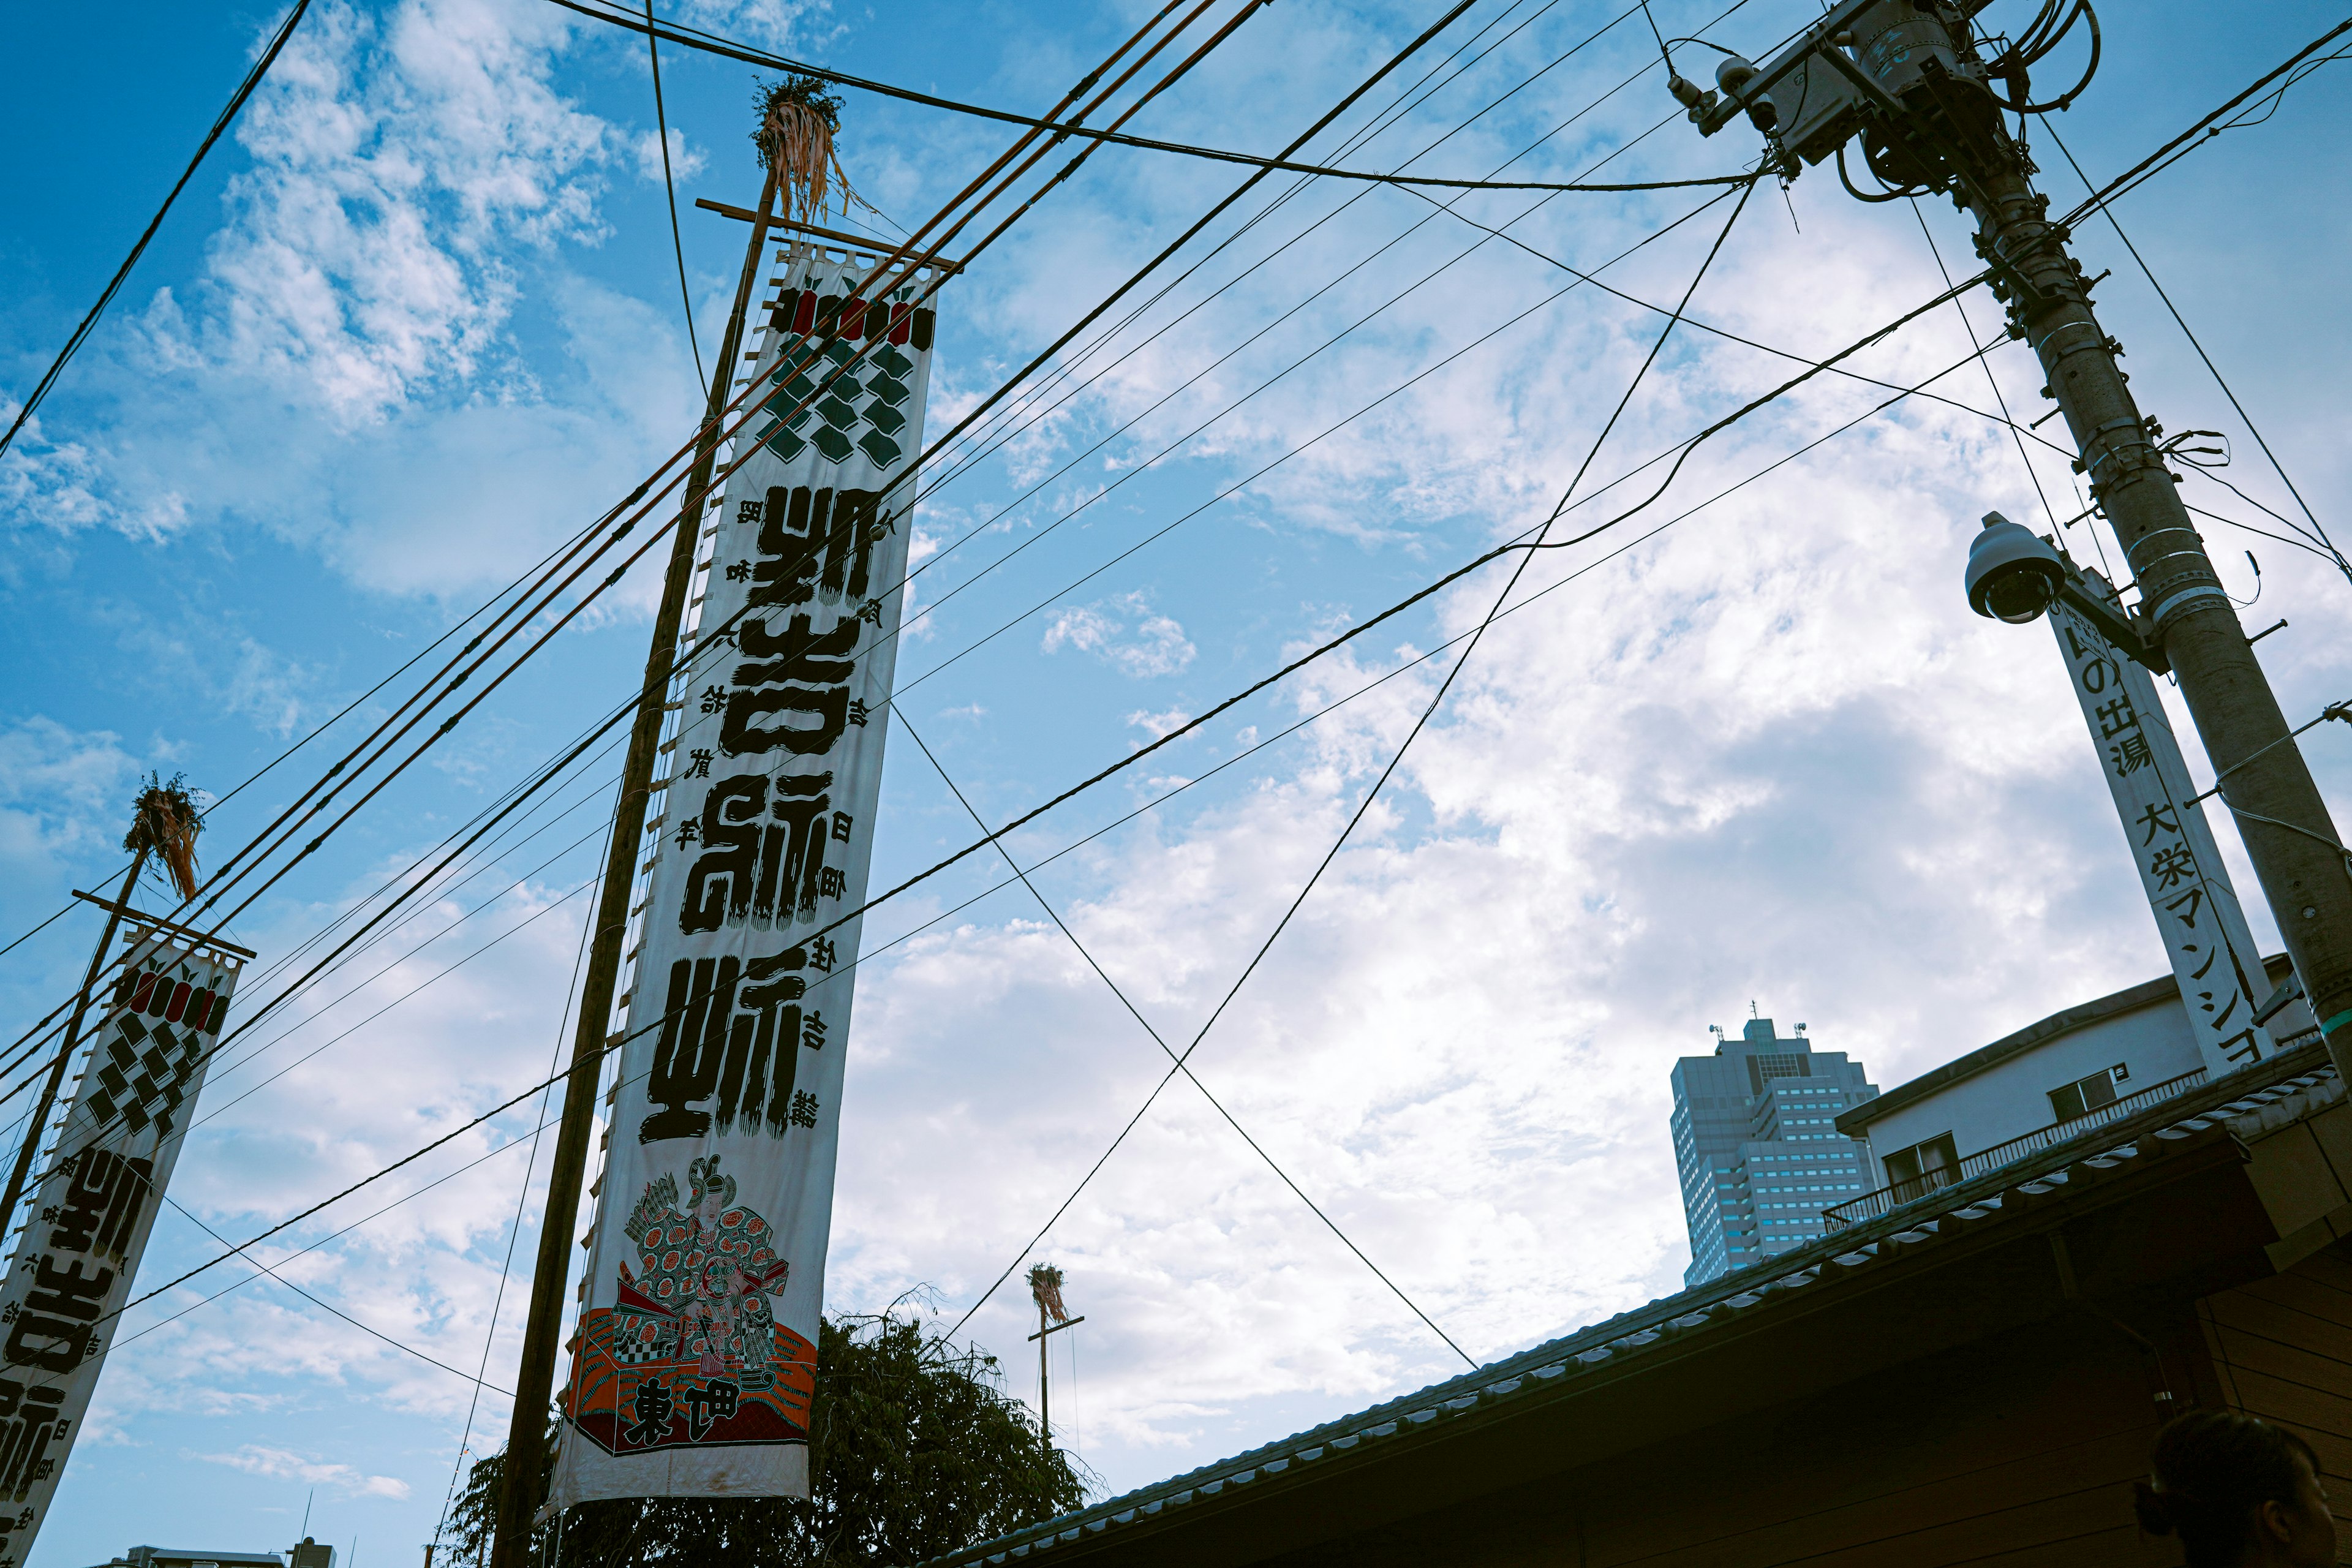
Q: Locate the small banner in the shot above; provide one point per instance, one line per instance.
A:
(93, 1206)
(694, 1362)
(2188, 892)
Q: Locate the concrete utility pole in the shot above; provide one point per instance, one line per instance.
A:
(1907, 77)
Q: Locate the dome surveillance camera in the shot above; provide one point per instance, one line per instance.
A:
(2013, 575)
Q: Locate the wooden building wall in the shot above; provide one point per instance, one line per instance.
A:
(2019, 1451)
(2281, 1348)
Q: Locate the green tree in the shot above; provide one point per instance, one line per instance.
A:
(916, 1451)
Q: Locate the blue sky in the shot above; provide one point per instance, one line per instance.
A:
(418, 318)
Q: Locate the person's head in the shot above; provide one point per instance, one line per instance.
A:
(2237, 1491)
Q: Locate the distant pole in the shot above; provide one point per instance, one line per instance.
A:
(48, 1100)
(518, 1497)
(1044, 1401)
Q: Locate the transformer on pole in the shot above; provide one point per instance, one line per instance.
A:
(1906, 79)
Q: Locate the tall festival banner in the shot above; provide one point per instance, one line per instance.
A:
(2213, 956)
(94, 1203)
(693, 1362)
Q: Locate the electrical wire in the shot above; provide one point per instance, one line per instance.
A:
(1445, 686)
(619, 1041)
(2215, 370)
(2188, 141)
(669, 189)
(1250, 478)
(1970, 327)
(1131, 470)
(514, 1227)
(1180, 1065)
(114, 285)
(710, 43)
(980, 447)
(683, 520)
(328, 1306)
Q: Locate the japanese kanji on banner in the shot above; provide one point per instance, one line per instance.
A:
(93, 1205)
(2189, 891)
(693, 1364)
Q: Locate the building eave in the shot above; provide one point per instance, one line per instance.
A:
(2170, 1141)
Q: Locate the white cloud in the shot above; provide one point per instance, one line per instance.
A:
(279, 1464)
(1160, 725)
(684, 162)
(1124, 633)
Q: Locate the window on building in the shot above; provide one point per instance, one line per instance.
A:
(2085, 1095)
(1922, 1168)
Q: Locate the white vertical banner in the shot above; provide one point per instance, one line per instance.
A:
(94, 1202)
(2188, 892)
(693, 1365)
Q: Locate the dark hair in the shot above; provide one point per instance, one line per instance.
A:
(2210, 1469)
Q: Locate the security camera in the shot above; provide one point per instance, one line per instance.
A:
(2013, 575)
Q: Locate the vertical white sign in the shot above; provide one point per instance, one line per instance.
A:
(693, 1367)
(94, 1203)
(2189, 891)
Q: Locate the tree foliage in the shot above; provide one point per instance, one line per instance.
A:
(915, 1452)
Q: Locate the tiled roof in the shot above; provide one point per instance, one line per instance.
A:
(2098, 1156)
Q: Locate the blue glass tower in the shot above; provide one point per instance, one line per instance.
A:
(1757, 1148)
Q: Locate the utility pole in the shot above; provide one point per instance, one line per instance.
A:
(519, 1499)
(1045, 1289)
(1907, 77)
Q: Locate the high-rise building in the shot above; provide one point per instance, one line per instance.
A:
(1756, 1144)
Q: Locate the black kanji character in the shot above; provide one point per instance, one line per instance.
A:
(804, 1108)
(871, 610)
(2172, 865)
(748, 512)
(714, 698)
(858, 712)
(690, 832)
(715, 1401)
(2130, 755)
(739, 571)
(2158, 817)
(2117, 717)
(842, 822)
(832, 883)
(2240, 1046)
(820, 954)
(813, 1031)
(698, 764)
(652, 1408)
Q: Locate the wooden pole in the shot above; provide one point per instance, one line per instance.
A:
(39, 1120)
(1045, 1402)
(518, 1497)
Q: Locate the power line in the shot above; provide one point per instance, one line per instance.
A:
(328, 1307)
(2108, 211)
(617, 1042)
(2180, 146)
(220, 125)
(1252, 478)
(1371, 795)
(711, 43)
(669, 189)
(1181, 1066)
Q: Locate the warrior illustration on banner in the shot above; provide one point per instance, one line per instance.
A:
(691, 1352)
